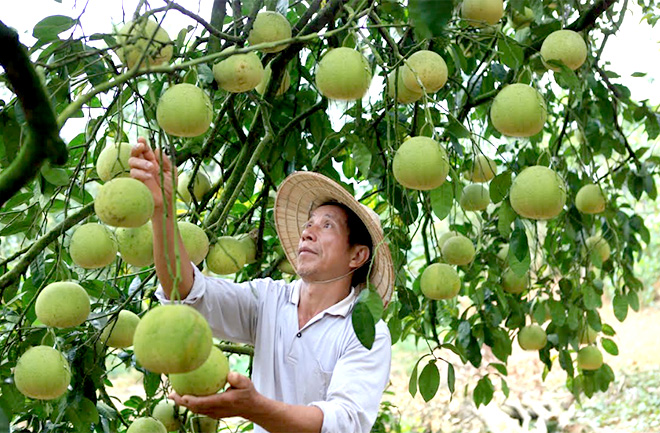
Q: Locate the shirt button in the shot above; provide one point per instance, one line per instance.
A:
(299, 335)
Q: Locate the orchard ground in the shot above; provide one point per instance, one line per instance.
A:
(631, 405)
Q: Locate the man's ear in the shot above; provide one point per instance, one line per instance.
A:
(359, 256)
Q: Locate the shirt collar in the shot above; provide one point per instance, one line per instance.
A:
(341, 308)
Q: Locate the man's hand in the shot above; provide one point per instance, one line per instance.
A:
(146, 166)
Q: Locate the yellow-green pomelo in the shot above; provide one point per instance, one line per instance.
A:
(167, 413)
(440, 281)
(444, 237)
(92, 246)
(521, 19)
(205, 380)
(587, 334)
(475, 197)
(136, 245)
(239, 72)
(42, 373)
(270, 26)
(483, 169)
(286, 267)
(284, 83)
(144, 36)
(120, 330)
(481, 12)
(458, 250)
(426, 66)
(403, 94)
(596, 244)
(420, 163)
(62, 305)
(538, 193)
(113, 161)
(514, 283)
(146, 425)
(564, 46)
(589, 358)
(226, 256)
(590, 199)
(124, 202)
(201, 185)
(532, 337)
(184, 110)
(249, 246)
(518, 110)
(195, 241)
(203, 424)
(172, 338)
(343, 74)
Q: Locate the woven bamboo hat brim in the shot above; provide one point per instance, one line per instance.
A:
(300, 193)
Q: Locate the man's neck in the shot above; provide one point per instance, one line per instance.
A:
(316, 297)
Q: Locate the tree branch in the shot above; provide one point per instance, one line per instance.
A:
(217, 20)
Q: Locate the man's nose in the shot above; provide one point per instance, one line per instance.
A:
(308, 233)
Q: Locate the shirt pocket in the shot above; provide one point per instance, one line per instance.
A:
(316, 389)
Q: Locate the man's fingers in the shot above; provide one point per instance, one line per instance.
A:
(140, 163)
(141, 175)
(236, 380)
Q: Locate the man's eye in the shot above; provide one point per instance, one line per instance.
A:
(327, 225)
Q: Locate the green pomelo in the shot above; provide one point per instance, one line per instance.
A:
(184, 110)
(113, 161)
(42, 373)
(343, 74)
(518, 110)
(270, 26)
(249, 246)
(440, 281)
(167, 413)
(146, 425)
(475, 197)
(521, 19)
(286, 267)
(120, 330)
(532, 337)
(201, 185)
(444, 237)
(587, 335)
(483, 169)
(284, 84)
(427, 67)
(564, 46)
(136, 245)
(92, 246)
(172, 339)
(589, 358)
(226, 256)
(597, 245)
(538, 193)
(514, 283)
(590, 199)
(124, 202)
(239, 73)
(458, 250)
(480, 12)
(144, 36)
(208, 379)
(420, 163)
(195, 241)
(62, 305)
(203, 424)
(403, 94)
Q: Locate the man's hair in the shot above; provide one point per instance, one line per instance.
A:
(357, 235)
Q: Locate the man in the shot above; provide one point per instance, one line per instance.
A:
(311, 373)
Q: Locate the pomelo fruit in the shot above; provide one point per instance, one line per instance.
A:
(480, 12)
(403, 94)
(270, 26)
(518, 110)
(343, 74)
(538, 193)
(184, 110)
(420, 163)
(590, 199)
(119, 330)
(458, 250)
(520, 19)
(144, 35)
(532, 337)
(249, 246)
(440, 281)
(597, 245)
(226, 256)
(514, 283)
(195, 241)
(113, 161)
(483, 169)
(92, 246)
(62, 304)
(284, 84)
(42, 373)
(589, 358)
(587, 334)
(146, 425)
(172, 338)
(201, 185)
(444, 237)
(208, 379)
(564, 46)
(168, 414)
(427, 66)
(124, 202)
(475, 197)
(136, 245)
(238, 73)
(286, 267)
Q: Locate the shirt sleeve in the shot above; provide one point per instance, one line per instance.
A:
(231, 309)
(357, 385)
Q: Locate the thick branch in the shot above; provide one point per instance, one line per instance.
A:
(217, 20)
(588, 19)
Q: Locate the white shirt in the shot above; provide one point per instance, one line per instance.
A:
(323, 364)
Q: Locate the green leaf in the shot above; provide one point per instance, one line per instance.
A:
(364, 324)
(593, 319)
(590, 297)
(151, 382)
(505, 216)
(557, 312)
(362, 157)
(510, 52)
(442, 200)
(633, 300)
(499, 186)
(412, 383)
(394, 325)
(374, 303)
(430, 21)
(501, 368)
(429, 381)
(48, 28)
(620, 307)
(567, 79)
(5, 414)
(55, 176)
(610, 346)
(483, 392)
(519, 258)
(451, 377)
